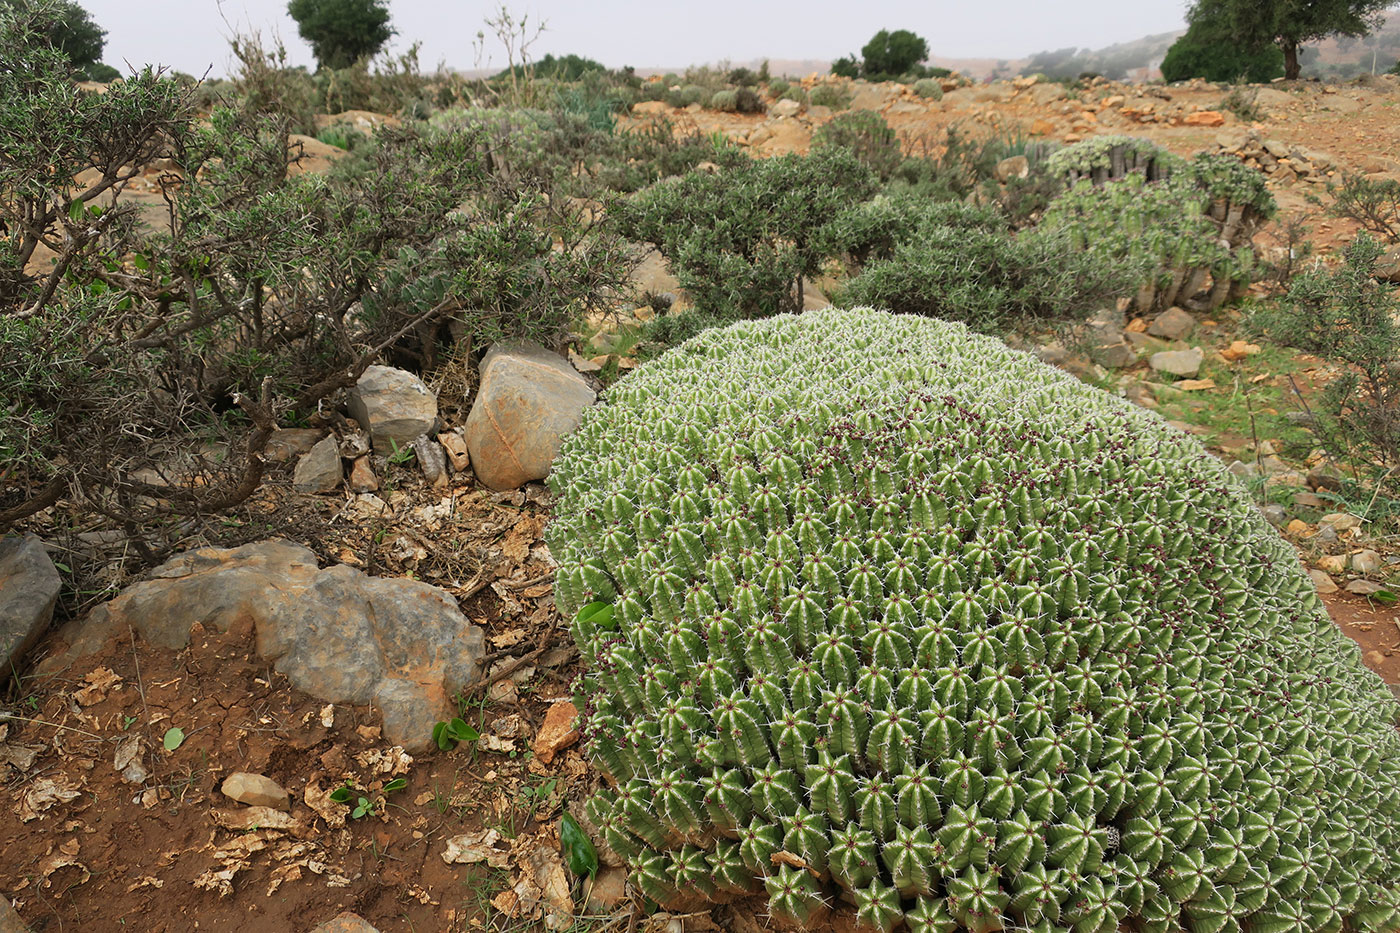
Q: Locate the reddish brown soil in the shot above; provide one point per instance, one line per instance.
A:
(1376, 627)
(113, 859)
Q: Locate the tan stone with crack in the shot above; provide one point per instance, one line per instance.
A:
(528, 401)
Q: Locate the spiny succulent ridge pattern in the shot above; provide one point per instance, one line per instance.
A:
(904, 617)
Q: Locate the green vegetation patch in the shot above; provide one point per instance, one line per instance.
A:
(904, 616)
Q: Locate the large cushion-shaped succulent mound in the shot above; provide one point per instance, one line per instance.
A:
(877, 609)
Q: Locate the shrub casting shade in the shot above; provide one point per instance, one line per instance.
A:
(901, 615)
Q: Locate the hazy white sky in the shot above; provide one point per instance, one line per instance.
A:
(191, 35)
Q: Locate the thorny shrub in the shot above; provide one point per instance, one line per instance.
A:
(1349, 319)
(252, 297)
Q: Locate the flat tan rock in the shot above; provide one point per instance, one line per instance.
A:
(255, 790)
(560, 730)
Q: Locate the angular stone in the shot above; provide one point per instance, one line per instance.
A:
(1204, 118)
(345, 923)
(785, 108)
(559, 731)
(1114, 355)
(528, 400)
(1324, 476)
(291, 442)
(1290, 478)
(1139, 340)
(1238, 350)
(337, 634)
(1244, 470)
(1140, 394)
(362, 478)
(1322, 582)
(1274, 514)
(431, 460)
(1365, 562)
(394, 406)
(1013, 167)
(1043, 94)
(29, 586)
(255, 790)
(1363, 588)
(1172, 324)
(1332, 563)
(456, 447)
(1178, 362)
(319, 469)
(1340, 521)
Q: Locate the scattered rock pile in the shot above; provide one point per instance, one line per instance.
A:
(1283, 162)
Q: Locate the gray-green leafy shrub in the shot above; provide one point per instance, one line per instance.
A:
(948, 168)
(687, 95)
(778, 87)
(652, 151)
(725, 100)
(260, 294)
(835, 96)
(930, 88)
(741, 239)
(1374, 204)
(1348, 318)
(866, 134)
(978, 645)
(962, 263)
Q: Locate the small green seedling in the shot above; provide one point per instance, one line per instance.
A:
(448, 734)
(577, 848)
(344, 793)
(399, 454)
(364, 804)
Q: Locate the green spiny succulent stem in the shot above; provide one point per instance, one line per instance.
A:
(981, 647)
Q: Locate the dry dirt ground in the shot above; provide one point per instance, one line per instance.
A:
(86, 849)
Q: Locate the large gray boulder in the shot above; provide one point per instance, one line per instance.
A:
(337, 634)
(394, 406)
(29, 587)
(528, 401)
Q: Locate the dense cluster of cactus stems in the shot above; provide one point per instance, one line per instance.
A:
(1190, 223)
(878, 611)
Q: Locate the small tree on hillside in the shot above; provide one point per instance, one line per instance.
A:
(887, 55)
(1199, 55)
(341, 32)
(891, 54)
(1286, 24)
